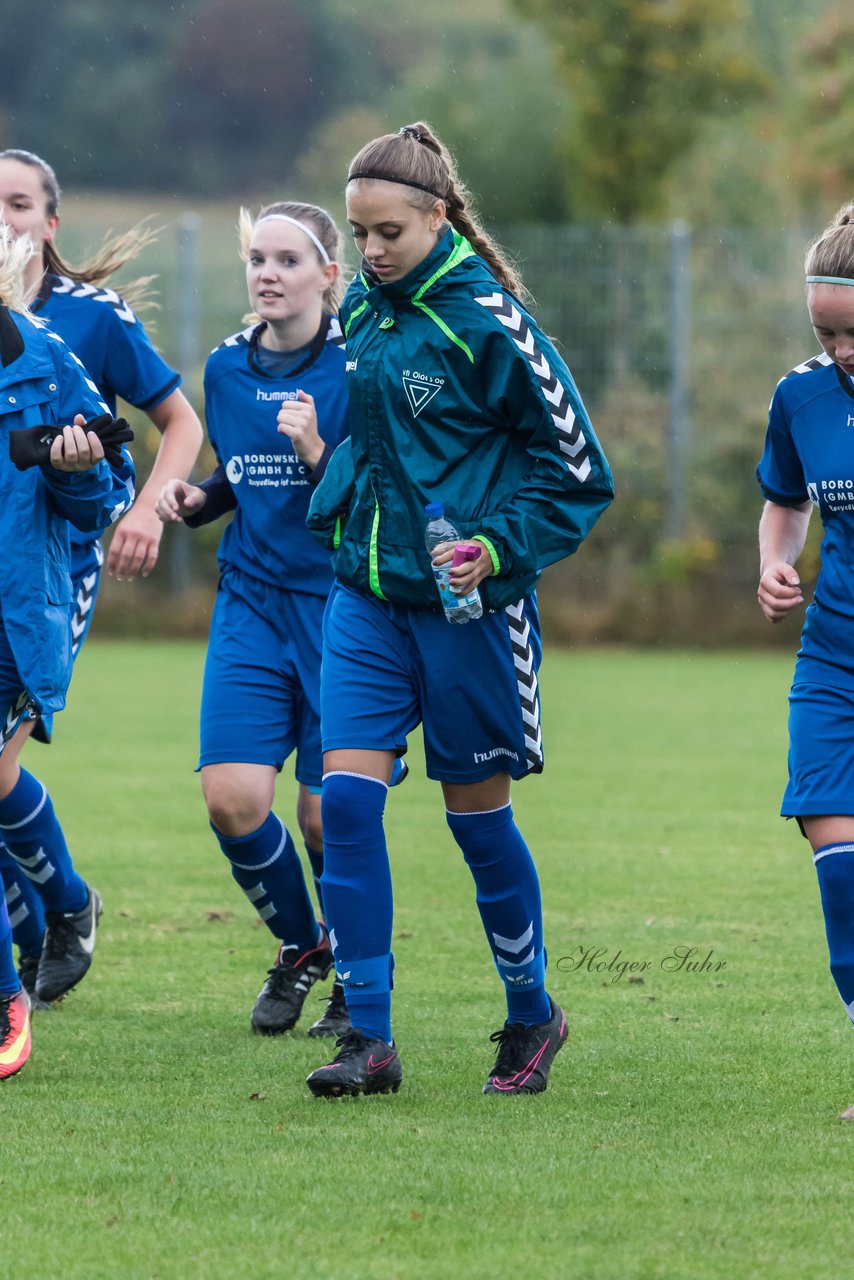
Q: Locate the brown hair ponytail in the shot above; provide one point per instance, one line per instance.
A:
(115, 253)
(415, 157)
(832, 253)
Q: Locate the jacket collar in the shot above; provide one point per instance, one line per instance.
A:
(11, 341)
(49, 281)
(450, 249)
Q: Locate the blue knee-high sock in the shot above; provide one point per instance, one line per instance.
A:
(31, 832)
(266, 865)
(10, 983)
(357, 893)
(26, 909)
(508, 898)
(834, 864)
(315, 857)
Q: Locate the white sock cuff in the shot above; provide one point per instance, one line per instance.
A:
(832, 848)
(476, 813)
(14, 826)
(348, 773)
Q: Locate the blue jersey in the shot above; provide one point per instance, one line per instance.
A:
(809, 456)
(267, 537)
(102, 331)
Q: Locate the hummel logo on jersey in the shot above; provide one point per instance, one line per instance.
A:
(351, 365)
(420, 389)
(260, 394)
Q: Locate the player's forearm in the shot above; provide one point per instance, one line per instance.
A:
(782, 534)
(181, 441)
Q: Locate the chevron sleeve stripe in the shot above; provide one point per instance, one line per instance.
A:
(571, 439)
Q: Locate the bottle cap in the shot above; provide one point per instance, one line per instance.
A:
(434, 509)
(465, 552)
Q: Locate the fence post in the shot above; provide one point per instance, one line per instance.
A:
(187, 315)
(678, 426)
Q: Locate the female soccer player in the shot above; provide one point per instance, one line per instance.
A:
(102, 330)
(809, 461)
(456, 396)
(41, 383)
(276, 407)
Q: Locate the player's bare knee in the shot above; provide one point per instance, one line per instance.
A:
(308, 819)
(232, 808)
(312, 831)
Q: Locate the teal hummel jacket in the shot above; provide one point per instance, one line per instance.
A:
(456, 396)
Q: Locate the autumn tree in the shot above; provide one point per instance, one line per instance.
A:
(642, 76)
(823, 158)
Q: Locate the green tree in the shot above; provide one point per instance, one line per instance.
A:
(823, 158)
(643, 76)
(484, 79)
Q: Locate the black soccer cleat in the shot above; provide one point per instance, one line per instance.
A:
(282, 996)
(335, 1020)
(28, 967)
(69, 941)
(360, 1066)
(525, 1054)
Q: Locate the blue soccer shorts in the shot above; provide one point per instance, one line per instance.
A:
(821, 751)
(473, 686)
(15, 703)
(261, 687)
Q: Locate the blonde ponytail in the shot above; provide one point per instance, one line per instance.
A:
(15, 253)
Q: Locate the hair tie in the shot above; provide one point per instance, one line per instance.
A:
(409, 131)
(830, 280)
(295, 222)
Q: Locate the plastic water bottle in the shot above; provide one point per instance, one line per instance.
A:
(439, 529)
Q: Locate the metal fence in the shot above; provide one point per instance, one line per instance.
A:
(676, 338)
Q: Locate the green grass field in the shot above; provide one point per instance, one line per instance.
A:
(690, 1128)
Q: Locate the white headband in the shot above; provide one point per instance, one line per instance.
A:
(283, 217)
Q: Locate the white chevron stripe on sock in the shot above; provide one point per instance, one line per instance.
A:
(515, 944)
(514, 964)
(19, 916)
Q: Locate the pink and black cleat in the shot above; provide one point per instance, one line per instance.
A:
(14, 1033)
(360, 1066)
(525, 1054)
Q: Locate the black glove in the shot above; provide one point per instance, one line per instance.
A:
(30, 446)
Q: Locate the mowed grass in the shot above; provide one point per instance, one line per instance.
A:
(690, 1128)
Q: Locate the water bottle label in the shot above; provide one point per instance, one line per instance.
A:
(446, 595)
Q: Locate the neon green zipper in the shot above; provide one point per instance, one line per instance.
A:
(373, 554)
